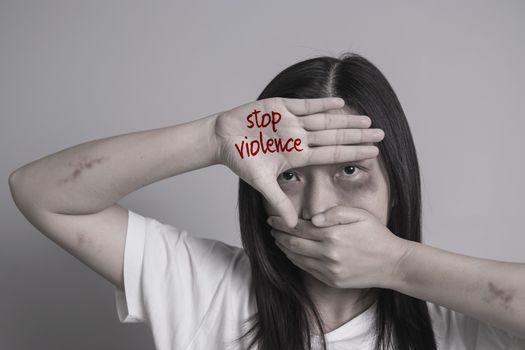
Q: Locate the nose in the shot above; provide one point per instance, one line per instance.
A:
(318, 196)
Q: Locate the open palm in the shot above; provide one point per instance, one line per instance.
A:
(300, 135)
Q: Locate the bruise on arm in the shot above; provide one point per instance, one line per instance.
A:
(83, 239)
(80, 166)
(498, 295)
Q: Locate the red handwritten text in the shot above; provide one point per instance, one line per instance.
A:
(270, 145)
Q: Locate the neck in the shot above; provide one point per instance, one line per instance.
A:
(336, 305)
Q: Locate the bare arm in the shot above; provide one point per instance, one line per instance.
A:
(70, 195)
(348, 247)
(91, 176)
(488, 290)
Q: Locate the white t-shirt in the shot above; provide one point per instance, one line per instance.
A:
(194, 294)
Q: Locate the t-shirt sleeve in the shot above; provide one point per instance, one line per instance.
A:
(130, 302)
(457, 331)
(170, 277)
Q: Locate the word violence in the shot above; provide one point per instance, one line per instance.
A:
(270, 145)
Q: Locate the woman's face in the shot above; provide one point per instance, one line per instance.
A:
(315, 188)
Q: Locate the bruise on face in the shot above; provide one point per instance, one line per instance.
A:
(79, 167)
(367, 184)
(501, 296)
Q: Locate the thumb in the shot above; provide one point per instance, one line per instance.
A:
(280, 201)
(338, 215)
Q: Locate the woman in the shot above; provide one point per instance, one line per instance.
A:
(330, 227)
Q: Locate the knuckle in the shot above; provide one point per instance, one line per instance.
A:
(337, 153)
(313, 138)
(338, 283)
(273, 102)
(307, 104)
(330, 237)
(330, 120)
(290, 243)
(335, 271)
(330, 256)
(332, 282)
(339, 136)
(337, 239)
(302, 122)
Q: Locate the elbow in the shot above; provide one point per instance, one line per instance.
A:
(13, 180)
(15, 187)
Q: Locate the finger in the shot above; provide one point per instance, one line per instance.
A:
(312, 105)
(298, 245)
(275, 196)
(338, 215)
(344, 136)
(326, 121)
(304, 228)
(338, 154)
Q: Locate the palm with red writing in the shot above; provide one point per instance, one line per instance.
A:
(325, 139)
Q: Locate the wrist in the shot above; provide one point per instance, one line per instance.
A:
(212, 143)
(398, 262)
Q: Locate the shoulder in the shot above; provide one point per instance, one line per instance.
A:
(203, 260)
(183, 285)
(175, 243)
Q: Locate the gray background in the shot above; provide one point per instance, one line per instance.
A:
(73, 71)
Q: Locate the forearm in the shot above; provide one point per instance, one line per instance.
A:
(487, 290)
(91, 176)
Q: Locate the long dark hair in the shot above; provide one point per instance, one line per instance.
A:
(283, 305)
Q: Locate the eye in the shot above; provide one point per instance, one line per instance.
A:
(352, 172)
(287, 176)
(351, 169)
